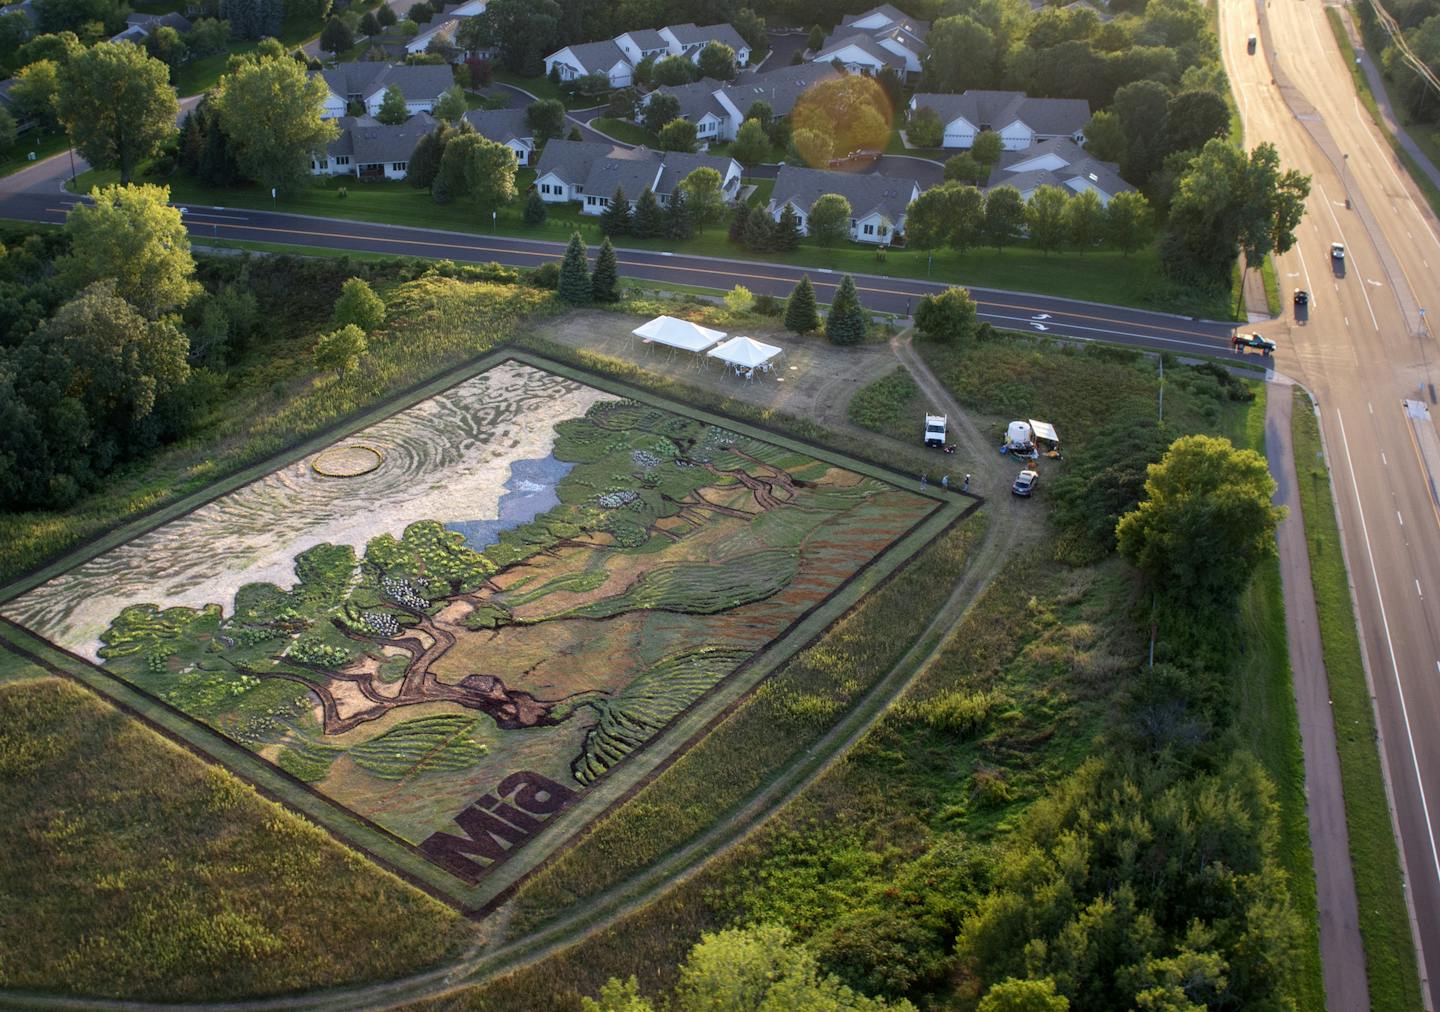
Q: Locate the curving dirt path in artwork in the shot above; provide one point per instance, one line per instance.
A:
(1008, 521)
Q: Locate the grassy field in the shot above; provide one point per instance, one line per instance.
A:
(1103, 276)
(1272, 286)
(200, 75)
(42, 143)
(134, 870)
(1379, 888)
(624, 131)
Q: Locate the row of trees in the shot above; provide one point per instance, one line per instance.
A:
(962, 217)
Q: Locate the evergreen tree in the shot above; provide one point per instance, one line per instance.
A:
(801, 314)
(649, 220)
(535, 210)
(679, 222)
(605, 282)
(616, 218)
(738, 221)
(760, 233)
(425, 158)
(787, 230)
(575, 273)
(847, 323)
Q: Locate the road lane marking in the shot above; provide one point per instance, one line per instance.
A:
(1197, 340)
(1390, 646)
(1384, 459)
(1400, 518)
(1419, 591)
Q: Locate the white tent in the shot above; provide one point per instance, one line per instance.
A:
(1017, 434)
(1045, 431)
(745, 352)
(680, 334)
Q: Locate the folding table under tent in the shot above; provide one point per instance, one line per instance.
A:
(745, 354)
(681, 334)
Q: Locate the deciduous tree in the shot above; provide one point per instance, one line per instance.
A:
(131, 236)
(35, 91)
(522, 31)
(829, 219)
(752, 143)
(359, 305)
(987, 148)
(341, 350)
(477, 167)
(1004, 216)
(924, 129)
(452, 105)
(671, 71)
(117, 104)
(393, 110)
(705, 197)
(1045, 217)
(270, 108)
(1128, 221)
(546, 119)
(659, 110)
(717, 60)
(1206, 521)
(949, 317)
(1085, 220)
(678, 135)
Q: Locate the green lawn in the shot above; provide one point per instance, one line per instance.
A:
(1379, 887)
(1272, 286)
(624, 131)
(763, 189)
(43, 143)
(543, 87)
(1104, 276)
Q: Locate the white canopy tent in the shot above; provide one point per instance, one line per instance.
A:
(1045, 431)
(745, 353)
(680, 334)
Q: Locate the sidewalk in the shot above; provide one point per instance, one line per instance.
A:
(1341, 949)
(1382, 100)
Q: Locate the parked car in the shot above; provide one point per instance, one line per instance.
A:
(1025, 482)
(1337, 251)
(1302, 297)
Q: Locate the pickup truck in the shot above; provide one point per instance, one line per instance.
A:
(1242, 341)
(935, 430)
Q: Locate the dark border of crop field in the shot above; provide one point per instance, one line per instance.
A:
(689, 727)
(1379, 886)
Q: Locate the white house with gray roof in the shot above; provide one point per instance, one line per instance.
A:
(718, 109)
(1019, 119)
(366, 83)
(369, 149)
(1058, 162)
(588, 172)
(617, 58)
(882, 37)
(878, 204)
(510, 127)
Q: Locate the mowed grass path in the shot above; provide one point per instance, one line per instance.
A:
(133, 869)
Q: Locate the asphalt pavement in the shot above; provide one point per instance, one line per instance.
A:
(1362, 348)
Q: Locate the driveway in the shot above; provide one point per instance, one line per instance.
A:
(783, 47)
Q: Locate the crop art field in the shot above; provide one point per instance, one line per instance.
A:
(459, 633)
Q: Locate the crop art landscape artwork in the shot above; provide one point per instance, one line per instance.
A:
(459, 620)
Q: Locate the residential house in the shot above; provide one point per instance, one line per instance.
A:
(718, 109)
(589, 172)
(882, 37)
(644, 44)
(366, 83)
(1019, 119)
(506, 126)
(605, 59)
(445, 21)
(878, 203)
(688, 39)
(139, 27)
(370, 150)
(1058, 162)
(617, 58)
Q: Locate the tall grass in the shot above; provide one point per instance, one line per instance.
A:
(134, 870)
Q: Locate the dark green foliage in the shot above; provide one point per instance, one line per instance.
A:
(574, 286)
(547, 275)
(761, 234)
(425, 159)
(661, 109)
(847, 322)
(649, 220)
(738, 220)
(535, 211)
(370, 24)
(802, 315)
(679, 222)
(615, 220)
(336, 36)
(949, 316)
(253, 19)
(787, 230)
(605, 281)
(546, 119)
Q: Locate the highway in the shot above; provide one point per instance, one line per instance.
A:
(1363, 349)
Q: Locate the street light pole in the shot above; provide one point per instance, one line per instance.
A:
(72, 164)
